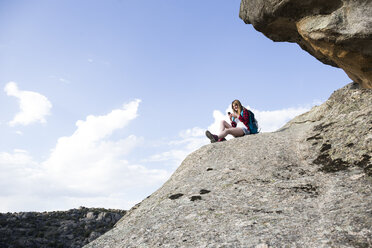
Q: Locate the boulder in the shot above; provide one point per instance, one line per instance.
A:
(336, 32)
(307, 185)
(90, 216)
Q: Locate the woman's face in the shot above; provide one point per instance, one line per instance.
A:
(235, 107)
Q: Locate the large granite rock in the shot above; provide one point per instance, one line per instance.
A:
(307, 185)
(336, 32)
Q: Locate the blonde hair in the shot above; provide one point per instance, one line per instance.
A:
(240, 107)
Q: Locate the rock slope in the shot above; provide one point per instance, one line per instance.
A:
(337, 32)
(306, 185)
(71, 229)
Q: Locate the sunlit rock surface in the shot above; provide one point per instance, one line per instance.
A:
(306, 185)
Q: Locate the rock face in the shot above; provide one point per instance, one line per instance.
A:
(343, 134)
(336, 32)
(72, 229)
(307, 185)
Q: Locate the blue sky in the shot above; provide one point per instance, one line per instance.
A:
(102, 100)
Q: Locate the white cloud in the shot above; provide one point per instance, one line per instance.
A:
(64, 80)
(18, 157)
(270, 121)
(87, 161)
(100, 62)
(88, 168)
(34, 107)
(60, 79)
(18, 173)
(188, 141)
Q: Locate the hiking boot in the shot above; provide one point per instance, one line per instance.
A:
(213, 138)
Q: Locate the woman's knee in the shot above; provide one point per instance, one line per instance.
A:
(229, 131)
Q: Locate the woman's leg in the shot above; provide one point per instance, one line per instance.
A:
(234, 131)
(224, 125)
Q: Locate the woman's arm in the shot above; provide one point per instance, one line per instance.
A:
(233, 116)
(245, 118)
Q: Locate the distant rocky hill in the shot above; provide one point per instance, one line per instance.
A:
(63, 229)
(307, 185)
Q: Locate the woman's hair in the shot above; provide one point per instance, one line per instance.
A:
(240, 107)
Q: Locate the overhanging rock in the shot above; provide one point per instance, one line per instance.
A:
(336, 32)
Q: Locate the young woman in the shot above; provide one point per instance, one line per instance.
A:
(239, 112)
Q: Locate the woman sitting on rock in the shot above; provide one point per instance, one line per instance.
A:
(240, 113)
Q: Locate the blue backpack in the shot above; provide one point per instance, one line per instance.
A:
(253, 124)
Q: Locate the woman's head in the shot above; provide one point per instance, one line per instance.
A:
(236, 106)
